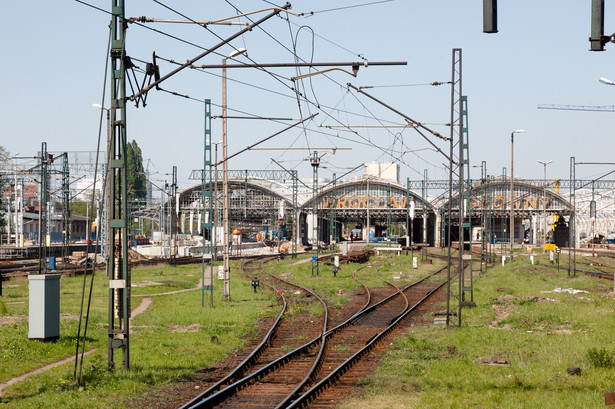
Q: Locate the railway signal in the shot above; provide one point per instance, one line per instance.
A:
(255, 283)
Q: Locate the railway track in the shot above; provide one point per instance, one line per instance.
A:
(298, 377)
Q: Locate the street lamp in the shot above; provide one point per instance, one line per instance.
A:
(544, 199)
(512, 192)
(225, 204)
(606, 81)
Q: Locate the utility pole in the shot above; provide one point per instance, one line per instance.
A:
(66, 227)
(225, 201)
(174, 213)
(45, 160)
(214, 236)
(424, 208)
(117, 267)
(544, 200)
(315, 162)
(456, 130)
(332, 227)
(207, 222)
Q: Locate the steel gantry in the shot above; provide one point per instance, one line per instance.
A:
(45, 170)
(252, 196)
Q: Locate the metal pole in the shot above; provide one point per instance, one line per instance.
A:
(512, 201)
(16, 224)
(367, 230)
(544, 200)
(544, 206)
(315, 162)
(215, 198)
(593, 205)
(225, 202)
(425, 217)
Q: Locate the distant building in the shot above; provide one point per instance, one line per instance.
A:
(83, 188)
(386, 170)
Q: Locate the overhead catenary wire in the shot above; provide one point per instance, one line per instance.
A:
(182, 40)
(291, 88)
(311, 13)
(257, 117)
(368, 143)
(208, 51)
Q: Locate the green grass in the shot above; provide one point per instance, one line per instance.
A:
(171, 340)
(372, 274)
(517, 319)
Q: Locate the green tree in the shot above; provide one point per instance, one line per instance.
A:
(137, 187)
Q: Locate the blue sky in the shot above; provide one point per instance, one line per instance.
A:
(54, 66)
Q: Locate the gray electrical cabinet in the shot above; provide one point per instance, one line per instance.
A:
(44, 317)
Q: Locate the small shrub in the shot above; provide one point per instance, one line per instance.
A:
(600, 357)
(3, 309)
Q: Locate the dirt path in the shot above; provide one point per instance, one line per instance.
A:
(198, 287)
(145, 303)
(40, 370)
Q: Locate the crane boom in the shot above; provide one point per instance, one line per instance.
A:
(599, 108)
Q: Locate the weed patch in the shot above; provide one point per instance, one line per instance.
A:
(600, 357)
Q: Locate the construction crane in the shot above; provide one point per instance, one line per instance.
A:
(598, 108)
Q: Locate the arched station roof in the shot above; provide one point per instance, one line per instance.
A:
(494, 195)
(356, 196)
(248, 198)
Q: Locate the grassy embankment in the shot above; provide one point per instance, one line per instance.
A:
(534, 333)
(171, 340)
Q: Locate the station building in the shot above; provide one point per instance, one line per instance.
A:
(372, 207)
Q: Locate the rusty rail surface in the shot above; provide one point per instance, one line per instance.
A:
(310, 378)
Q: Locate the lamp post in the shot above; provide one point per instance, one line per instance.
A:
(225, 204)
(512, 192)
(544, 199)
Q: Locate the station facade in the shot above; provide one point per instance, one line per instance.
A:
(369, 207)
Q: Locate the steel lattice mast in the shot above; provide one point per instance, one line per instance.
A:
(117, 210)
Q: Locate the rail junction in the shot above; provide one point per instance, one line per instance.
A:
(271, 376)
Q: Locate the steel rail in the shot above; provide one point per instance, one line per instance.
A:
(231, 390)
(223, 394)
(240, 370)
(407, 302)
(330, 379)
(315, 369)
